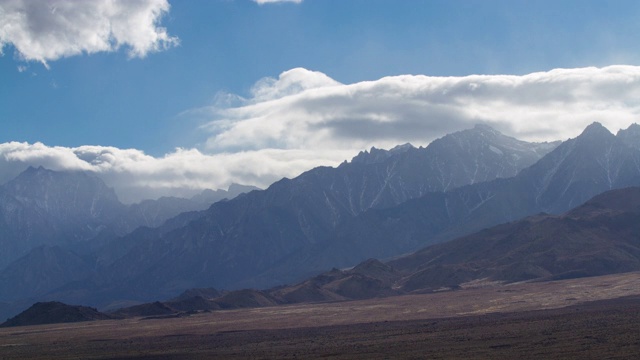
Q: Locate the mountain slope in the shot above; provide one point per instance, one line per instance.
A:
(458, 159)
(630, 136)
(578, 169)
(41, 206)
(51, 224)
(153, 213)
(45, 207)
(43, 269)
(235, 240)
(600, 237)
(54, 312)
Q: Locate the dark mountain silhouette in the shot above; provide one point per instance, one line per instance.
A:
(150, 309)
(54, 312)
(239, 299)
(194, 303)
(205, 293)
(247, 298)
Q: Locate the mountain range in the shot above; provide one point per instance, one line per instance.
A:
(233, 242)
(70, 209)
(578, 169)
(381, 204)
(600, 237)
(52, 222)
(301, 227)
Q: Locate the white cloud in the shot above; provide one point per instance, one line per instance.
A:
(322, 114)
(261, 2)
(184, 172)
(47, 30)
(290, 82)
(305, 119)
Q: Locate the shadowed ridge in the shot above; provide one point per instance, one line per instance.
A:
(205, 293)
(149, 309)
(600, 237)
(54, 312)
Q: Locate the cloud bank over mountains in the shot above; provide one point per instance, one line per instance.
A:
(47, 30)
(137, 176)
(325, 114)
(305, 119)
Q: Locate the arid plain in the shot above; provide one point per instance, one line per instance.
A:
(579, 318)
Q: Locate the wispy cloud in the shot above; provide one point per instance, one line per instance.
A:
(47, 30)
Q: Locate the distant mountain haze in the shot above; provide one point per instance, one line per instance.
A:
(51, 221)
(233, 243)
(41, 206)
(45, 207)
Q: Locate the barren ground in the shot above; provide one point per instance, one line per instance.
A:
(580, 318)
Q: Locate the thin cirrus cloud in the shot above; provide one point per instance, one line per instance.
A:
(47, 30)
(304, 119)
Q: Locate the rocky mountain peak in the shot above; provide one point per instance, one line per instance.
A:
(481, 135)
(372, 156)
(595, 130)
(32, 173)
(401, 148)
(63, 195)
(630, 135)
(33, 182)
(485, 129)
(375, 155)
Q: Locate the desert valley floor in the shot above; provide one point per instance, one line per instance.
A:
(584, 318)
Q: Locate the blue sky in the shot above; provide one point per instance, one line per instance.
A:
(171, 98)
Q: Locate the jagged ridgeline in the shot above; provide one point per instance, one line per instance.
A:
(380, 204)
